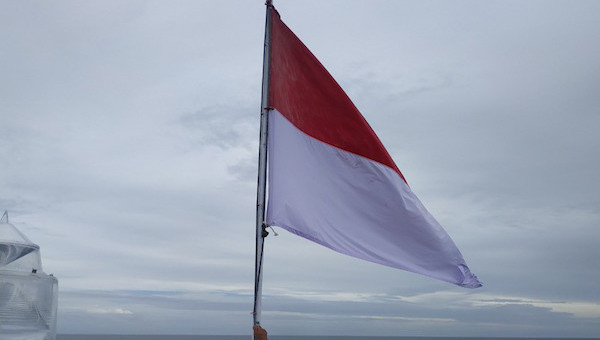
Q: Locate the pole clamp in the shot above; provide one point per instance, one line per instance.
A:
(265, 233)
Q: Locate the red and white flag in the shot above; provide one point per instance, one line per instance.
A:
(332, 181)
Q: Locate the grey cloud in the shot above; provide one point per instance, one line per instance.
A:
(131, 310)
(128, 145)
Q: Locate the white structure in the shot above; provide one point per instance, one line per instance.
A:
(28, 296)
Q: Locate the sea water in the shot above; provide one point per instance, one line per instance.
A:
(282, 337)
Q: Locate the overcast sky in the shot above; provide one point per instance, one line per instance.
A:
(128, 147)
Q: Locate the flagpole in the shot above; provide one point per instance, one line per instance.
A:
(261, 233)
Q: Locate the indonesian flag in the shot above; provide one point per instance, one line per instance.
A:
(332, 181)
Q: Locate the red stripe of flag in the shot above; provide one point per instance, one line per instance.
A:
(304, 92)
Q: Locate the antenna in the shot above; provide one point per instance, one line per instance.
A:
(4, 218)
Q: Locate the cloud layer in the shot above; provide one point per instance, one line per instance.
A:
(128, 139)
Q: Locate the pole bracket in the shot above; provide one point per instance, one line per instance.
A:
(265, 233)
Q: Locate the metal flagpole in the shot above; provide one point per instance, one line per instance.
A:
(261, 233)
